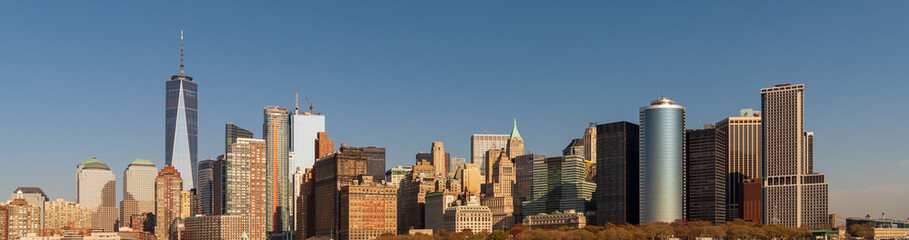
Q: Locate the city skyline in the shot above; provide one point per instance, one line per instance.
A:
(834, 99)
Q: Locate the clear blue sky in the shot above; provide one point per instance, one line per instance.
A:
(86, 79)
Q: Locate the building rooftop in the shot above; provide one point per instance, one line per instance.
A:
(514, 131)
(27, 190)
(93, 163)
(142, 162)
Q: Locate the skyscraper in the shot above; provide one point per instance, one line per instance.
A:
(330, 174)
(168, 185)
(181, 123)
(794, 195)
(662, 161)
(231, 133)
(276, 131)
(515, 142)
(559, 184)
(617, 173)
(204, 188)
(375, 162)
(705, 162)
(743, 154)
(481, 143)
(440, 159)
(138, 189)
(306, 127)
(590, 143)
(366, 210)
(96, 189)
(33, 195)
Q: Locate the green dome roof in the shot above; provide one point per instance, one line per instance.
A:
(142, 162)
(93, 163)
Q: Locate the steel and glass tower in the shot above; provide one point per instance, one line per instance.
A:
(181, 123)
(276, 130)
(662, 157)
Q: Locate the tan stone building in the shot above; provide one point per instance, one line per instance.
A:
(23, 219)
(186, 204)
(245, 185)
(499, 188)
(138, 189)
(743, 136)
(215, 227)
(96, 189)
(367, 210)
(470, 178)
(331, 173)
(168, 185)
(60, 214)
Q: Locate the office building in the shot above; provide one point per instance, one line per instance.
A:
(168, 185)
(556, 219)
(33, 195)
(367, 210)
(481, 143)
(559, 184)
(662, 158)
(231, 133)
(276, 131)
(375, 162)
(470, 178)
(215, 227)
(575, 147)
(435, 206)
(454, 164)
(705, 175)
(412, 197)
(306, 128)
(96, 189)
(186, 203)
(752, 199)
(523, 180)
(471, 217)
(440, 159)
(23, 219)
(617, 173)
(138, 189)
(330, 174)
(794, 195)
(590, 143)
(204, 186)
(394, 176)
(181, 123)
(743, 154)
(61, 214)
(324, 145)
(515, 142)
(304, 217)
(499, 188)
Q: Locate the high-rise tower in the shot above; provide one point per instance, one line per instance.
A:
(181, 123)
(138, 189)
(276, 131)
(96, 189)
(662, 161)
(306, 127)
(794, 195)
(618, 195)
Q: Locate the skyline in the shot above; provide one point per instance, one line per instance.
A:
(395, 107)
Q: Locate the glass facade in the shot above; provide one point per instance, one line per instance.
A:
(181, 128)
(662, 161)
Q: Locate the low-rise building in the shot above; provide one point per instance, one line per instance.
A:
(469, 217)
(570, 218)
(215, 227)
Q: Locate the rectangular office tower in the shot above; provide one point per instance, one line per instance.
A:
(793, 194)
(306, 127)
(743, 157)
(705, 174)
(617, 173)
(481, 143)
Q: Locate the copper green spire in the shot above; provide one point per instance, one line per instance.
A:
(514, 131)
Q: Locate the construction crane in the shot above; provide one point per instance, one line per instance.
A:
(310, 104)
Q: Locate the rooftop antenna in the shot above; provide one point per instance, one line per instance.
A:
(181, 52)
(296, 100)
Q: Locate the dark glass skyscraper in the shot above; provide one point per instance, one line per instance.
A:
(617, 173)
(705, 162)
(181, 123)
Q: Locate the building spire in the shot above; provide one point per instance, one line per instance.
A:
(181, 52)
(514, 131)
(296, 101)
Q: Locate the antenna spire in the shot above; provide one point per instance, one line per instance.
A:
(296, 100)
(181, 52)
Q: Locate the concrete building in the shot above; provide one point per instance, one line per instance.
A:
(556, 219)
(470, 179)
(331, 173)
(468, 217)
(215, 227)
(499, 187)
(590, 143)
(481, 143)
(412, 199)
(794, 195)
(440, 159)
(181, 131)
(394, 176)
(138, 189)
(186, 204)
(662, 159)
(304, 217)
(436, 204)
(367, 210)
(23, 219)
(559, 184)
(61, 214)
(276, 129)
(168, 185)
(515, 142)
(96, 189)
(705, 162)
(617, 173)
(743, 154)
(33, 195)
